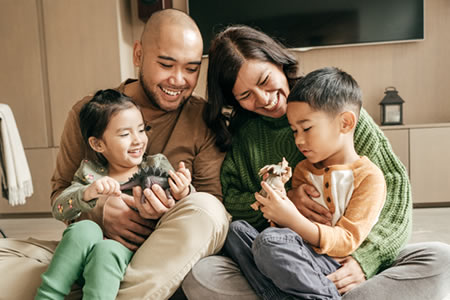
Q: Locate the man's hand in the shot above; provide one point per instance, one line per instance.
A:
(312, 210)
(348, 276)
(156, 202)
(123, 224)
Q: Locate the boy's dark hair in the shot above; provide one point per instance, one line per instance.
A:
(329, 89)
(96, 114)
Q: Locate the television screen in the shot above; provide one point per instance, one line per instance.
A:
(309, 23)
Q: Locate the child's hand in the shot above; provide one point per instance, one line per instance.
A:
(105, 186)
(276, 206)
(180, 181)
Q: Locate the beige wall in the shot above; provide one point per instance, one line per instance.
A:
(419, 70)
(56, 51)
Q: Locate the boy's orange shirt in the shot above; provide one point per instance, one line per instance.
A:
(354, 194)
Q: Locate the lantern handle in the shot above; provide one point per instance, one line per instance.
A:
(390, 88)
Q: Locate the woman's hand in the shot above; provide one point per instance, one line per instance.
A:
(301, 196)
(105, 186)
(348, 276)
(179, 182)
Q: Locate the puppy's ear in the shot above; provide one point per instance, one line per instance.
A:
(96, 144)
(348, 121)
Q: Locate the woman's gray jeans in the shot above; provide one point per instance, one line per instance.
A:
(421, 271)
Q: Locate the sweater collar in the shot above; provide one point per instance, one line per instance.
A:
(276, 122)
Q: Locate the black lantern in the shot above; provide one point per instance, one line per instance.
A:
(391, 107)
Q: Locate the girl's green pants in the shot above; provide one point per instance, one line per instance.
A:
(85, 257)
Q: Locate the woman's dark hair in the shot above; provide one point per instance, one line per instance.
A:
(228, 52)
(96, 114)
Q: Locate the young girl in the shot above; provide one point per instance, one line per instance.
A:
(112, 125)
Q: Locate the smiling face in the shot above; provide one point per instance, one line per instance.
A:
(262, 87)
(317, 133)
(169, 63)
(124, 141)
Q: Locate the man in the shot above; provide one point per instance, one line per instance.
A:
(168, 57)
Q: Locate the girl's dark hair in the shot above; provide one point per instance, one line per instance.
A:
(96, 114)
(228, 52)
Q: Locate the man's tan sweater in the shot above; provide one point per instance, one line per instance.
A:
(180, 135)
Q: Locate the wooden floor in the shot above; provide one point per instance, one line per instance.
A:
(429, 224)
(39, 228)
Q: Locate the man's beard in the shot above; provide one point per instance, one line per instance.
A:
(152, 97)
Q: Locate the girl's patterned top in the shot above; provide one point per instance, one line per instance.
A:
(69, 204)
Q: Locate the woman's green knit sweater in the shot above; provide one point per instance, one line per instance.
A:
(261, 140)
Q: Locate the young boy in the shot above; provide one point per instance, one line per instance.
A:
(294, 259)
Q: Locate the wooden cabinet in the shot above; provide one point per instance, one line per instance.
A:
(430, 164)
(399, 139)
(55, 53)
(21, 77)
(424, 149)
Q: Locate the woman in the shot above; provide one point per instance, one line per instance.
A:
(251, 73)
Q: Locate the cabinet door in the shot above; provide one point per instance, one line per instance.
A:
(21, 76)
(81, 39)
(430, 164)
(399, 139)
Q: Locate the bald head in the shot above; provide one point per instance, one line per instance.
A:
(162, 20)
(169, 56)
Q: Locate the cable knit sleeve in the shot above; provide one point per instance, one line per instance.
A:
(237, 196)
(393, 228)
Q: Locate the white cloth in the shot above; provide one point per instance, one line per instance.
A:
(342, 188)
(17, 184)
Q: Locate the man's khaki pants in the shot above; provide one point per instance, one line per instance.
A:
(194, 228)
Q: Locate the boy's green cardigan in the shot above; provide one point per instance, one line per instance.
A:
(260, 140)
